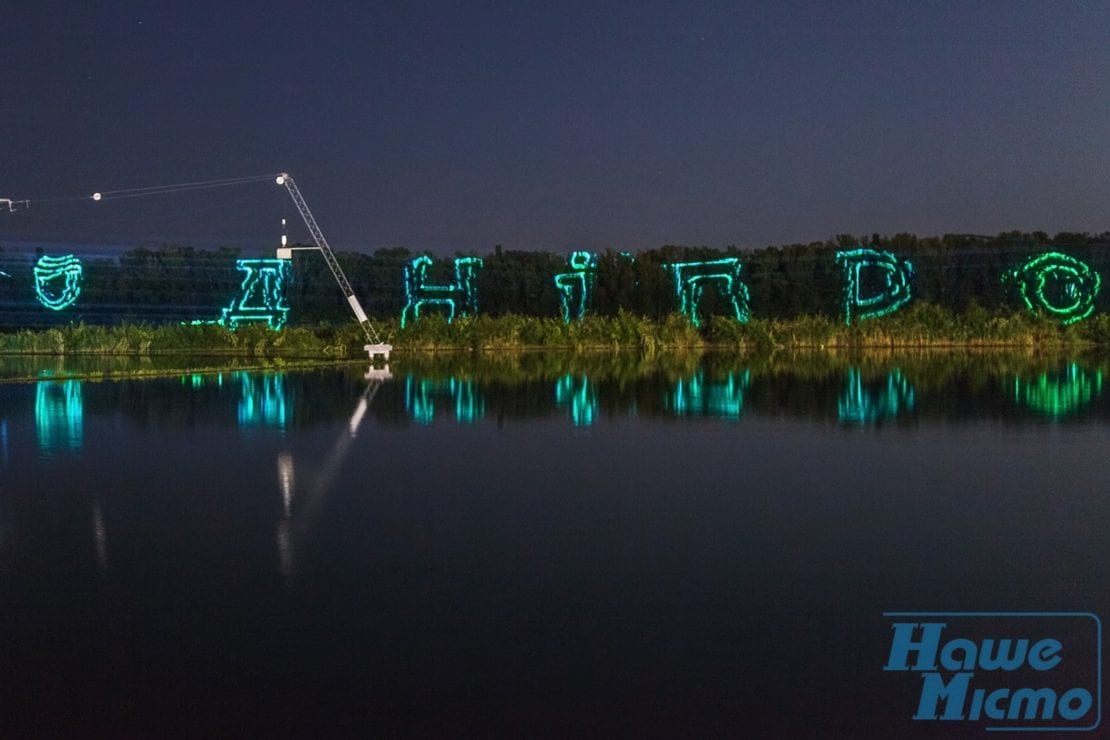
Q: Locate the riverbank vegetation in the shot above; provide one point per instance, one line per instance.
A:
(920, 325)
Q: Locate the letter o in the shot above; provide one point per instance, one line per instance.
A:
(1064, 703)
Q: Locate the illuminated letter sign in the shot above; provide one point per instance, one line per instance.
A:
(459, 297)
(1062, 286)
(262, 294)
(575, 286)
(894, 276)
(48, 270)
(690, 279)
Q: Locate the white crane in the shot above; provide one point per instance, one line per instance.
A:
(374, 347)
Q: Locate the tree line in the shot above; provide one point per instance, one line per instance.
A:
(179, 283)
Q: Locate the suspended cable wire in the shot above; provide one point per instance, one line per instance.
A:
(139, 192)
(177, 187)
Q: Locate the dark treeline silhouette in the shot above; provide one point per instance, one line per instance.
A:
(169, 284)
(956, 271)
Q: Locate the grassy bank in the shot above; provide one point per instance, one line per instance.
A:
(921, 325)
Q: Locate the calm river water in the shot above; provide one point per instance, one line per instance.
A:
(541, 545)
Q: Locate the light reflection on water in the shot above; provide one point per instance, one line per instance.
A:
(1057, 394)
(579, 396)
(264, 400)
(723, 399)
(403, 536)
(59, 415)
(421, 395)
(862, 398)
(860, 404)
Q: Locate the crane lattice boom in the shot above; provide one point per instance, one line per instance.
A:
(372, 335)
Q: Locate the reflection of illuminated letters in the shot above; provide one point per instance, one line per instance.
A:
(871, 268)
(262, 294)
(722, 399)
(576, 286)
(859, 404)
(263, 401)
(48, 270)
(59, 415)
(580, 396)
(459, 298)
(1062, 286)
(690, 279)
(420, 398)
(1059, 394)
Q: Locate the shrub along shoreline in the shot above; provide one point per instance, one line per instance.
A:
(921, 325)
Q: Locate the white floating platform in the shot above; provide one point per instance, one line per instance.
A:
(378, 350)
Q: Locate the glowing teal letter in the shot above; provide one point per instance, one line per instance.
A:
(50, 268)
(690, 279)
(262, 296)
(459, 297)
(580, 281)
(895, 277)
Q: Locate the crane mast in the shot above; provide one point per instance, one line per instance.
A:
(375, 345)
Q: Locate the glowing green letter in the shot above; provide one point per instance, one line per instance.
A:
(1062, 286)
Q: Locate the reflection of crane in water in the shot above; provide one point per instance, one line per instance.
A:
(292, 531)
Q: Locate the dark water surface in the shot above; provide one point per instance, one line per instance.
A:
(537, 546)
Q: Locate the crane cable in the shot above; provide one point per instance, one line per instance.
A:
(176, 188)
(144, 191)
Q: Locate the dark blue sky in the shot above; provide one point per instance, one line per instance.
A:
(564, 125)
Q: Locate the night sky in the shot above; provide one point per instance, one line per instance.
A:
(559, 126)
